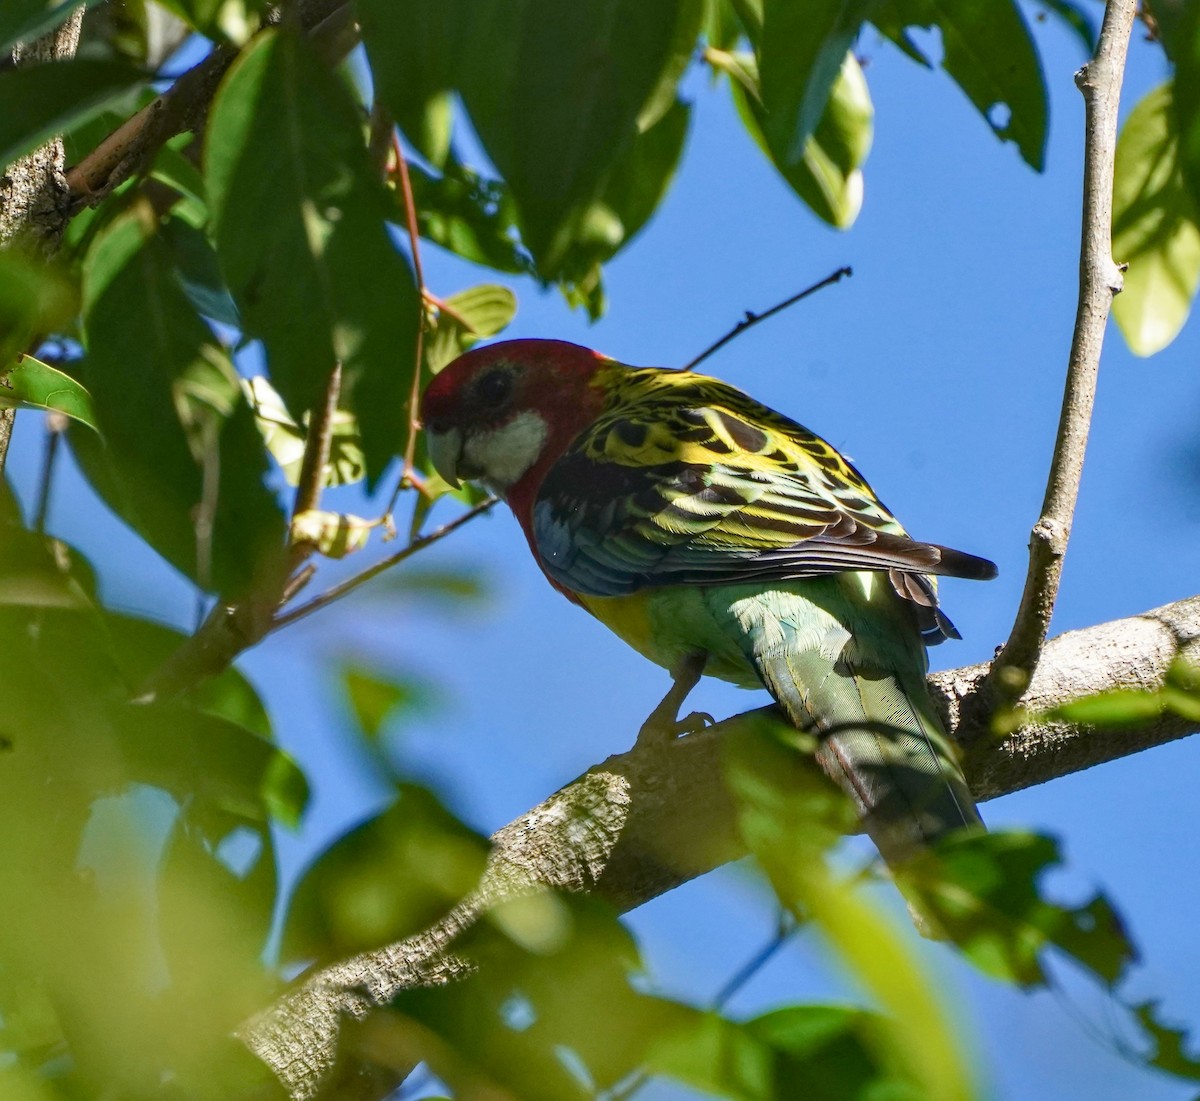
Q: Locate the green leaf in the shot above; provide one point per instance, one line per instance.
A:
(989, 53)
(224, 773)
(469, 215)
(828, 175)
(555, 93)
(308, 259)
(231, 21)
(140, 647)
(1076, 18)
(199, 273)
(468, 317)
(35, 300)
(169, 407)
(33, 384)
(983, 890)
(790, 816)
(636, 185)
(1154, 228)
(376, 697)
(835, 1051)
(286, 440)
(387, 878)
(26, 20)
(801, 54)
(43, 100)
(1169, 1052)
(414, 64)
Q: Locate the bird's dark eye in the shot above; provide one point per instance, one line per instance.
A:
(494, 388)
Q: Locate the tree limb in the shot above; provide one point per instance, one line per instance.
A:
(33, 190)
(643, 822)
(1099, 281)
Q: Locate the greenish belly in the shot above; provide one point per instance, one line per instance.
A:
(668, 624)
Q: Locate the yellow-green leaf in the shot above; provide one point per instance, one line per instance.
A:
(1154, 228)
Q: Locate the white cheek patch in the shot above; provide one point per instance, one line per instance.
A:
(503, 455)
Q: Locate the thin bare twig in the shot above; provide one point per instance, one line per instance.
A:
(414, 397)
(317, 445)
(352, 583)
(1099, 281)
(56, 425)
(751, 319)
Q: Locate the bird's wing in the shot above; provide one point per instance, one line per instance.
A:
(685, 480)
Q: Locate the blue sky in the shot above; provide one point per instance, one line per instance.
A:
(938, 368)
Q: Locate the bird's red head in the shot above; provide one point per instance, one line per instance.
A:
(502, 414)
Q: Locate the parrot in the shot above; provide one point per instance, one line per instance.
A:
(718, 537)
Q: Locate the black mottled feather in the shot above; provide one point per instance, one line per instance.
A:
(684, 480)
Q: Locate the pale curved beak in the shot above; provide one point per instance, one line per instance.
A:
(445, 452)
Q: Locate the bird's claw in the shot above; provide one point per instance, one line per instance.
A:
(693, 723)
(661, 730)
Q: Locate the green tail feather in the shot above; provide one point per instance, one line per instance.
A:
(852, 670)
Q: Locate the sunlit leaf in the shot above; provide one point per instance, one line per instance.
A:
(43, 100)
(140, 647)
(33, 384)
(286, 440)
(827, 175)
(801, 54)
(632, 192)
(414, 64)
(988, 52)
(1154, 228)
(333, 534)
(309, 260)
(465, 318)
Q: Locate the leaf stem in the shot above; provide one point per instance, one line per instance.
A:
(350, 584)
(414, 397)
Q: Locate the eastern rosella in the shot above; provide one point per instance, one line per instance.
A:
(715, 535)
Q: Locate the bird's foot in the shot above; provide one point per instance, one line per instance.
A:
(661, 730)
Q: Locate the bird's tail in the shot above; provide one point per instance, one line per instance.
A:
(879, 737)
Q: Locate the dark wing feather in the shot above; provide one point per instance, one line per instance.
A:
(687, 481)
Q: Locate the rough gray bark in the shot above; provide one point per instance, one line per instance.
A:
(643, 822)
(33, 190)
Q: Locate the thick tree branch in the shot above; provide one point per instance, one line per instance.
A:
(643, 822)
(1099, 281)
(33, 190)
